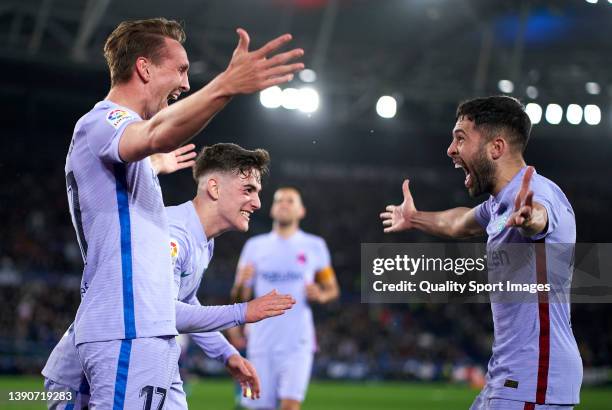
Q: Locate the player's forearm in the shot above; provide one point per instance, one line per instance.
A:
(214, 345)
(181, 121)
(196, 319)
(329, 294)
(447, 224)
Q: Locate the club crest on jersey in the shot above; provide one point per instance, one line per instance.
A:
(117, 117)
(301, 258)
(500, 223)
(174, 250)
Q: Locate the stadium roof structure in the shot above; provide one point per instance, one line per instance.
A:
(426, 51)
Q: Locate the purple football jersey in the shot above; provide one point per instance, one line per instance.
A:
(535, 356)
(118, 214)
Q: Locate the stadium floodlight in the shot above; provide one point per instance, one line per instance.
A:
(386, 106)
(554, 114)
(592, 88)
(309, 100)
(290, 98)
(534, 111)
(505, 86)
(308, 76)
(271, 97)
(574, 114)
(532, 92)
(595, 1)
(592, 114)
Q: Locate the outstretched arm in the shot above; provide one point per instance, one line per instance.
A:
(452, 223)
(196, 319)
(247, 72)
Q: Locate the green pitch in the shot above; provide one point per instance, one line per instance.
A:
(217, 394)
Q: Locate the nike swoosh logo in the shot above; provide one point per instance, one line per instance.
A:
(185, 274)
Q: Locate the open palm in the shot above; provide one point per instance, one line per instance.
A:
(397, 217)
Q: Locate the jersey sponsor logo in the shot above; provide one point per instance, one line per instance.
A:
(117, 117)
(282, 276)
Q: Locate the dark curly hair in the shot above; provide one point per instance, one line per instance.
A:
(498, 114)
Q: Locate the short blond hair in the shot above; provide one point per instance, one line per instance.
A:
(138, 38)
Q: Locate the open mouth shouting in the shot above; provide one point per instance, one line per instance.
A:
(172, 97)
(246, 214)
(468, 174)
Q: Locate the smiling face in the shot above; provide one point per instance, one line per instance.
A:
(468, 151)
(169, 77)
(238, 197)
(287, 207)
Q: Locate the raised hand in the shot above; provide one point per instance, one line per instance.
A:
(397, 217)
(180, 158)
(523, 203)
(251, 71)
(268, 305)
(244, 373)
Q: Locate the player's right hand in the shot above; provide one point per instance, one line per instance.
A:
(251, 71)
(398, 217)
(268, 305)
(245, 374)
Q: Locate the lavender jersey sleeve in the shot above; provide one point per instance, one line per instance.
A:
(196, 319)
(483, 214)
(323, 254)
(213, 344)
(103, 136)
(545, 195)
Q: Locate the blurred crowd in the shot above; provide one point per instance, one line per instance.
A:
(40, 266)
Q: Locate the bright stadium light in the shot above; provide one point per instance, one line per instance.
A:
(308, 76)
(574, 114)
(309, 100)
(554, 113)
(290, 98)
(271, 97)
(592, 88)
(593, 1)
(534, 111)
(592, 114)
(532, 92)
(386, 106)
(505, 86)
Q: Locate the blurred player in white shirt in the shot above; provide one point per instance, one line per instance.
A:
(296, 263)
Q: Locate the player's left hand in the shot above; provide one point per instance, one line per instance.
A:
(530, 217)
(244, 373)
(313, 292)
(180, 158)
(523, 203)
